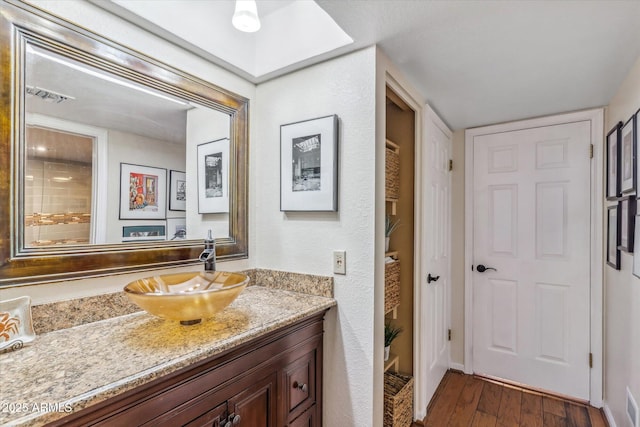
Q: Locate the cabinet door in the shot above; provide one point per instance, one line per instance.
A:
(256, 405)
(212, 418)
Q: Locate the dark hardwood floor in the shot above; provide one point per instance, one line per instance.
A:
(469, 401)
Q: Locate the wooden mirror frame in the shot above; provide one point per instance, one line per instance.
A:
(21, 24)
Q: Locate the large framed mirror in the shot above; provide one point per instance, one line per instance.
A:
(110, 161)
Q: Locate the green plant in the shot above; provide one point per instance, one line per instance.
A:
(390, 333)
(390, 226)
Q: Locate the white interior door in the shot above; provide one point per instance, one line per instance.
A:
(436, 247)
(531, 223)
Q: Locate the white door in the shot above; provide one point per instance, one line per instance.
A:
(436, 240)
(531, 223)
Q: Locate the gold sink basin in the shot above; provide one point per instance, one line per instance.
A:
(187, 297)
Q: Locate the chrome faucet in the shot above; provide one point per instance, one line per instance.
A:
(208, 256)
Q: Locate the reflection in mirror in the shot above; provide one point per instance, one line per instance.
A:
(99, 156)
(108, 160)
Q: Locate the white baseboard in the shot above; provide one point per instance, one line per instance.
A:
(609, 416)
(456, 366)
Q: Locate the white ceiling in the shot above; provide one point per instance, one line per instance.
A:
(476, 62)
(99, 102)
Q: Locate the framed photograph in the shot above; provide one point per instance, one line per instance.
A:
(143, 192)
(213, 176)
(177, 191)
(613, 162)
(613, 236)
(627, 223)
(636, 145)
(143, 233)
(309, 165)
(628, 152)
(636, 251)
(176, 228)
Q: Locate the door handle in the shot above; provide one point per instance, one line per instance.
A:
(481, 268)
(430, 278)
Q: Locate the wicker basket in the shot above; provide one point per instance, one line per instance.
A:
(392, 174)
(391, 285)
(398, 400)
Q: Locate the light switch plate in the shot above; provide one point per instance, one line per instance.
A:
(340, 262)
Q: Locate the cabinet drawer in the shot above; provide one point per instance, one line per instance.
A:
(307, 419)
(300, 384)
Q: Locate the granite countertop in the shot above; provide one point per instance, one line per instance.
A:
(69, 369)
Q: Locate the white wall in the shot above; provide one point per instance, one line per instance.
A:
(203, 125)
(622, 290)
(126, 147)
(303, 242)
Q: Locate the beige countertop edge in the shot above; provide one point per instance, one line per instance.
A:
(315, 305)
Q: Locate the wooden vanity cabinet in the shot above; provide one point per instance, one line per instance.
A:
(273, 380)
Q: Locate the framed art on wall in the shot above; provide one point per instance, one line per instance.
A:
(177, 191)
(143, 233)
(636, 145)
(213, 176)
(627, 223)
(636, 251)
(613, 236)
(176, 228)
(613, 162)
(143, 192)
(628, 153)
(309, 165)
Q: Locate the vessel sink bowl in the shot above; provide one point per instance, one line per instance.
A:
(187, 297)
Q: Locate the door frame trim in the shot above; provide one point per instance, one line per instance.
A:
(596, 118)
(406, 94)
(99, 177)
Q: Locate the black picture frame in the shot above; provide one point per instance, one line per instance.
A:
(613, 236)
(309, 152)
(213, 176)
(143, 233)
(636, 144)
(636, 253)
(628, 153)
(177, 191)
(613, 163)
(627, 215)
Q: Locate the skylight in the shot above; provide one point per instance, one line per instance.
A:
(291, 31)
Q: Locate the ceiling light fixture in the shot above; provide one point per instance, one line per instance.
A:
(245, 18)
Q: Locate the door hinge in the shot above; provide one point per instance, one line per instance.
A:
(450, 165)
(591, 151)
(449, 335)
(591, 360)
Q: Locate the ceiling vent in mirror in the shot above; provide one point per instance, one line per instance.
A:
(48, 95)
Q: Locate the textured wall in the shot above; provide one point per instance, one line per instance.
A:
(304, 241)
(622, 289)
(124, 147)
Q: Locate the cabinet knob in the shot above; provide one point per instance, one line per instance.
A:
(227, 424)
(302, 387)
(236, 419)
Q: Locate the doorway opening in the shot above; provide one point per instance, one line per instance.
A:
(400, 147)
